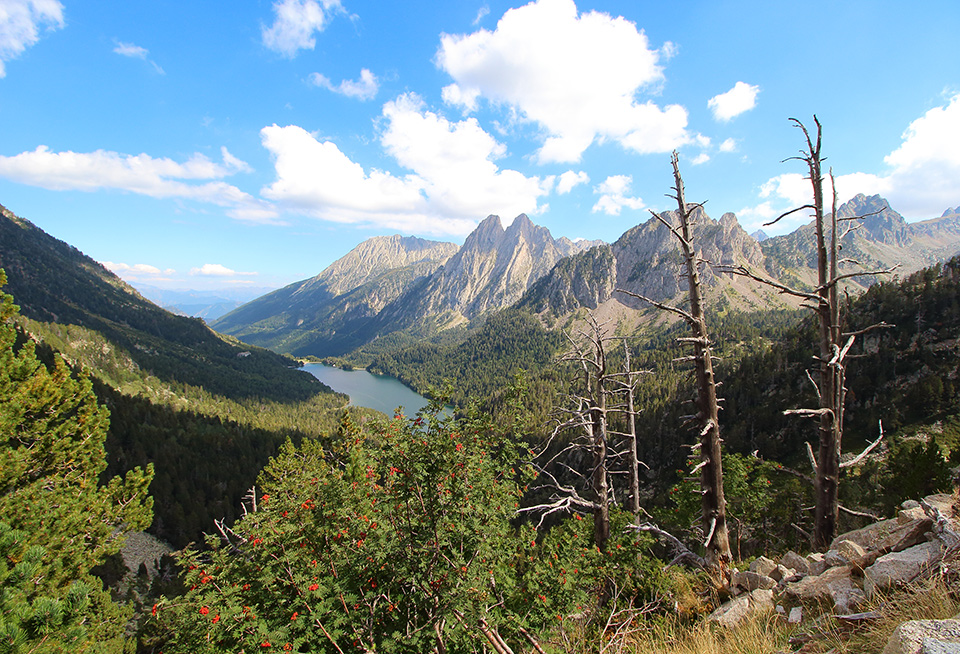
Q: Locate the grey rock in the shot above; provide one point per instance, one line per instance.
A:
(763, 566)
(912, 637)
(796, 615)
(816, 565)
(751, 581)
(849, 550)
(834, 586)
(900, 567)
(795, 562)
(731, 613)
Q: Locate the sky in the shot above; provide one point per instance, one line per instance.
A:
(250, 144)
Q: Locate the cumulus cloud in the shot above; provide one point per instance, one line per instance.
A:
(453, 182)
(729, 145)
(570, 179)
(20, 25)
(701, 158)
(922, 175)
(364, 88)
(577, 76)
(142, 174)
(217, 270)
(294, 24)
(613, 196)
(137, 52)
(726, 106)
(137, 270)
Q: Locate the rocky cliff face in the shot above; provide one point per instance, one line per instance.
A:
(646, 260)
(492, 270)
(355, 287)
(875, 237)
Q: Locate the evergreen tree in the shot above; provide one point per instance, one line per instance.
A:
(58, 520)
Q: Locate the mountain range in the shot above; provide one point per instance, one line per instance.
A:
(411, 289)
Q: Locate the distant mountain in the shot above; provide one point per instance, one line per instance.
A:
(760, 236)
(884, 239)
(98, 317)
(646, 260)
(389, 284)
(208, 305)
(329, 306)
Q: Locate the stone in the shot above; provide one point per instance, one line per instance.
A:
(909, 515)
(796, 615)
(834, 586)
(867, 536)
(780, 573)
(763, 566)
(815, 564)
(795, 562)
(731, 613)
(913, 637)
(850, 550)
(833, 558)
(900, 567)
(751, 581)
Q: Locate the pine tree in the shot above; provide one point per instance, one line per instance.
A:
(57, 521)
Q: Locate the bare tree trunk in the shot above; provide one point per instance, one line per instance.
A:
(598, 415)
(634, 460)
(713, 503)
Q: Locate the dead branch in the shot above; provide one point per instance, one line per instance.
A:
(681, 551)
(857, 459)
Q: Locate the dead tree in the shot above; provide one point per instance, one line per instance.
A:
(713, 504)
(834, 344)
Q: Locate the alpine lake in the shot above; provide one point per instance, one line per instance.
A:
(365, 389)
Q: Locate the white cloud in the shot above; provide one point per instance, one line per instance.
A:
(136, 270)
(729, 145)
(137, 52)
(20, 23)
(294, 24)
(570, 179)
(481, 14)
(142, 174)
(578, 76)
(701, 158)
(453, 183)
(613, 195)
(364, 88)
(217, 270)
(726, 106)
(923, 171)
(131, 50)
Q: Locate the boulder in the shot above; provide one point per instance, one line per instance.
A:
(900, 567)
(731, 613)
(795, 562)
(919, 636)
(834, 586)
(867, 536)
(763, 566)
(816, 565)
(751, 581)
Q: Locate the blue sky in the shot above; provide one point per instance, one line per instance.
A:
(214, 144)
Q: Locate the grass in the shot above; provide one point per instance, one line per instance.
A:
(936, 598)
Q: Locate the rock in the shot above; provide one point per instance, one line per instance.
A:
(835, 586)
(763, 566)
(731, 613)
(869, 535)
(833, 558)
(780, 573)
(796, 562)
(909, 515)
(919, 636)
(900, 567)
(850, 550)
(815, 564)
(796, 615)
(751, 581)
(909, 504)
